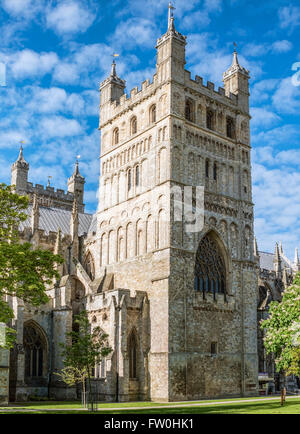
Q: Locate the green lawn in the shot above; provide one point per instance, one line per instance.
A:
(292, 406)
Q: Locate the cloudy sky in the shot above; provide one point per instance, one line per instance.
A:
(57, 52)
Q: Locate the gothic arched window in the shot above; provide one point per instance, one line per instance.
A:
(210, 119)
(230, 128)
(116, 136)
(35, 351)
(133, 125)
(210, 269)
(152, 113)
(89, 266)
(132, 353)
(189, 111)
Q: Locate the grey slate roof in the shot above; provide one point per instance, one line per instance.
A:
(53, 218)
(266, 261)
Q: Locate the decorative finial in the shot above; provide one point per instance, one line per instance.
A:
(113, 72)
(49, 181)
(171, 16)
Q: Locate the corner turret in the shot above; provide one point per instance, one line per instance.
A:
(76, 186)
(236, 81)
(19, 173)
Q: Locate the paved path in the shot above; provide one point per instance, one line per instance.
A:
(184, 404)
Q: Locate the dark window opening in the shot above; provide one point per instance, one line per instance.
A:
(210, 270)
(213, 348)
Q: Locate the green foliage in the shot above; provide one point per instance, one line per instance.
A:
(281, 329)
(24, 272)
(87, 348)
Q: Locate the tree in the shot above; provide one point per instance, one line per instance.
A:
(24, 272)
(86, 348)
(282, 330)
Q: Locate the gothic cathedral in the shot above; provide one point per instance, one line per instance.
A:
(179, 304)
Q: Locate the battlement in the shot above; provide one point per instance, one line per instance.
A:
(147, 88)
(46, 238)
(198, 85)
(49, 191)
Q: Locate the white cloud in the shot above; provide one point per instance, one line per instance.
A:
(289, 17)
(277, 205)
(263, 117)
(135, 32)
(58, 126)
(281, 46)
(286, 99)
(69, 16)
(22, 8)
(28, 63)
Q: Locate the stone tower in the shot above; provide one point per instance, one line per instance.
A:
(200, 337)
(76, 186)
(19, 173)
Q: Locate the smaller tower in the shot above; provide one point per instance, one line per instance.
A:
(111, 90)
(19, 173)
(236, 81)
(76, 186)
(171, 53)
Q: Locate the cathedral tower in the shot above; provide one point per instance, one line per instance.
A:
(19, 173)
(157, 146)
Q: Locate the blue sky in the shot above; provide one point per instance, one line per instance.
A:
(57, 53)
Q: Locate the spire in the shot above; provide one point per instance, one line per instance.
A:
(21, 162)
(235, 67)
(277, 262)
(277, 254)
(76, 185)
(281, 248)
(113, 72)
(171, 25)
(74, 229)
(35, 214)
(256, 253)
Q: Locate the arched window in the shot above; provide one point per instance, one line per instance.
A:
(89, 266)
(207, 168)
(137, 176)
(230, 127)
(116, 136)
(35, 351)
(132, 353)
(210, 269)
(210, 119)
(215, 171)
(152, 113)
(133, 125)
(189, 111)
(129, 180)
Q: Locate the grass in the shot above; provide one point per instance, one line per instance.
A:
(292, 406)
